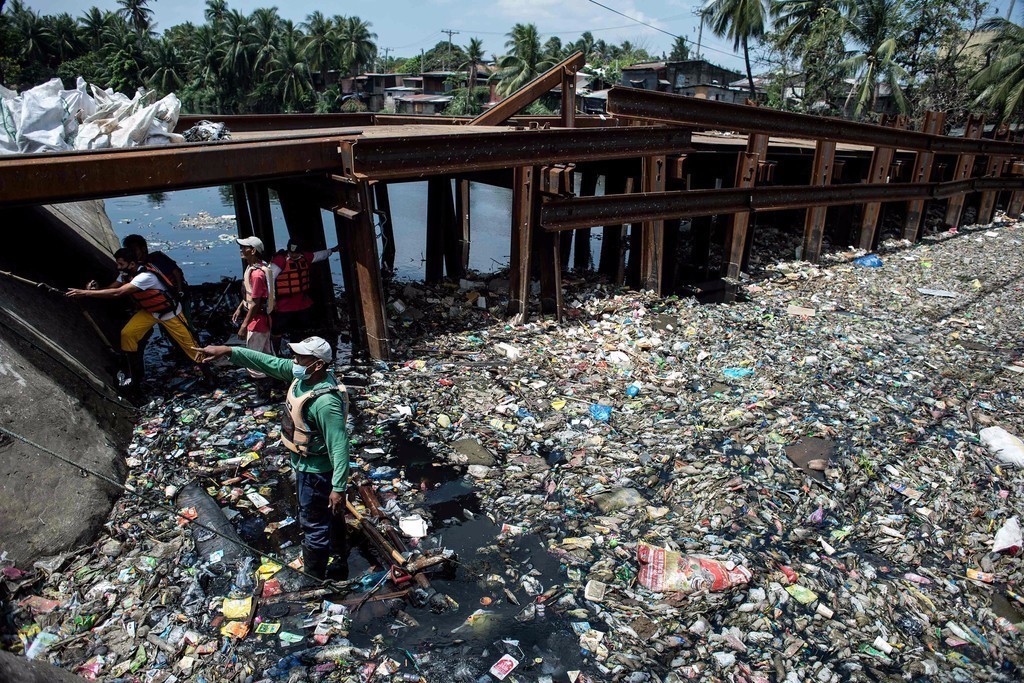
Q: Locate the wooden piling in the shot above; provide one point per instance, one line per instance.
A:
(355, 207)
(387, 227)
(879, 172)
(652, 251)
(923, 162)
(258, 195)
(746, 176)
(463, 222)
(525, 195)
(821, 175)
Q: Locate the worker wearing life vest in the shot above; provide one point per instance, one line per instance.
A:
(154, 296)
(293, 309)
(258, 297)
(167, 266)
(314, 430)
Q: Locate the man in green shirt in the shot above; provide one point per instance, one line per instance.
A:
(313, 429)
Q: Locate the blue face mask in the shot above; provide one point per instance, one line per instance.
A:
(299, 371)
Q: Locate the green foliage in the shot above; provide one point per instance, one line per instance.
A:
(680, 50)
(463, 105)
(742, 21)
(1002, 81)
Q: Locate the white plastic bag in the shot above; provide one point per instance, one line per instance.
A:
(1005, 446)
(1008, 539)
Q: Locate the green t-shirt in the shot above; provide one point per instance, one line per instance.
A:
(328, 449)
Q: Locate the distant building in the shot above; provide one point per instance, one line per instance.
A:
(421, 104)
(372, 88)
(692, 78)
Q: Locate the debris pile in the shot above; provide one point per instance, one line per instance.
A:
(815, 484)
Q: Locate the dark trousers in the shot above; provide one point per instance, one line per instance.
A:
(322, 532)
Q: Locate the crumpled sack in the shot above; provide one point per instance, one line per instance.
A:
(1008, 539)
(1005, 446)
(663, 570)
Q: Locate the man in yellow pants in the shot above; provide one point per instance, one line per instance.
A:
(154, 296)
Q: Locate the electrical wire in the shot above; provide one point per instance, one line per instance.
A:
(167, 508)
(644, 23)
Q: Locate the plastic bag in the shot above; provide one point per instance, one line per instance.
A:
(663, 570)
(1008, 539)
(1005, 446)
(868, 261)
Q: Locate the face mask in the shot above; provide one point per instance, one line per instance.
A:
(299, 371)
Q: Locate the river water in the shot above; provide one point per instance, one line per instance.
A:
(206, 251)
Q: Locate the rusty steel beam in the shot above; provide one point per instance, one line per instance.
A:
(511, 105)
(74, 176)
(250, 123)
(662, 107)
(420, 156)
(964, 167)
(585, 212)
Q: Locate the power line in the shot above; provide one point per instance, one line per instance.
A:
(595, 2)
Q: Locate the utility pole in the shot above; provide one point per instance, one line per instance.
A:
(421, 60)
(447, 62)
(387, 51)
(700, 12)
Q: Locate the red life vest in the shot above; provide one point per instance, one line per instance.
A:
(156, 301)
(294, 278)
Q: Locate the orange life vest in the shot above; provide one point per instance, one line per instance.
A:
(294, 278)
(296, 433)
(156, 301)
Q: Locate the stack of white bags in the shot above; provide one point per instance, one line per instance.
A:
(48, 118)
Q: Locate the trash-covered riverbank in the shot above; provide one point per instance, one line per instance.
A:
(794, 487)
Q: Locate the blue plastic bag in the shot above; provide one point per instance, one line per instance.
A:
(868, 261)
(600, 413)
(737, 373)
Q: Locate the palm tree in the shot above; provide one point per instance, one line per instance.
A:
(875, 30)
(321, 47)
(1002, 81)
(524, 60)
(138, 16)
(64, 39)
(740, 20)
(167, 68)
(205, 59)
(793, 19)
(92, 25)
(32, 30)
(265, 32)
(215, 11)
(356, 46)
(474, 55)
(290, 73)
(236, 43)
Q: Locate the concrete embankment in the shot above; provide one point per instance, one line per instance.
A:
(56, 379)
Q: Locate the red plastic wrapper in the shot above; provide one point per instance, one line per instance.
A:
(663, 570)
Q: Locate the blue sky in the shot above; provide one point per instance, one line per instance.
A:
(407, 26)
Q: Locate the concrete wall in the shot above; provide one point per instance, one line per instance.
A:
(56, 378)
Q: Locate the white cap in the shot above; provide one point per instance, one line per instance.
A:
(255, 242)
(312, 346)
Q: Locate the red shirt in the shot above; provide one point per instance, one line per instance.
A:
(260, 322)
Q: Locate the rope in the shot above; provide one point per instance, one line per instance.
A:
(32, 283)
(167, 508)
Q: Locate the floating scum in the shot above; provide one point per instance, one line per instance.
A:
(792, 488)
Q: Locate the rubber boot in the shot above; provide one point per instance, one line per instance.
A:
(209, 376)
(314, 562)
(131, 384)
